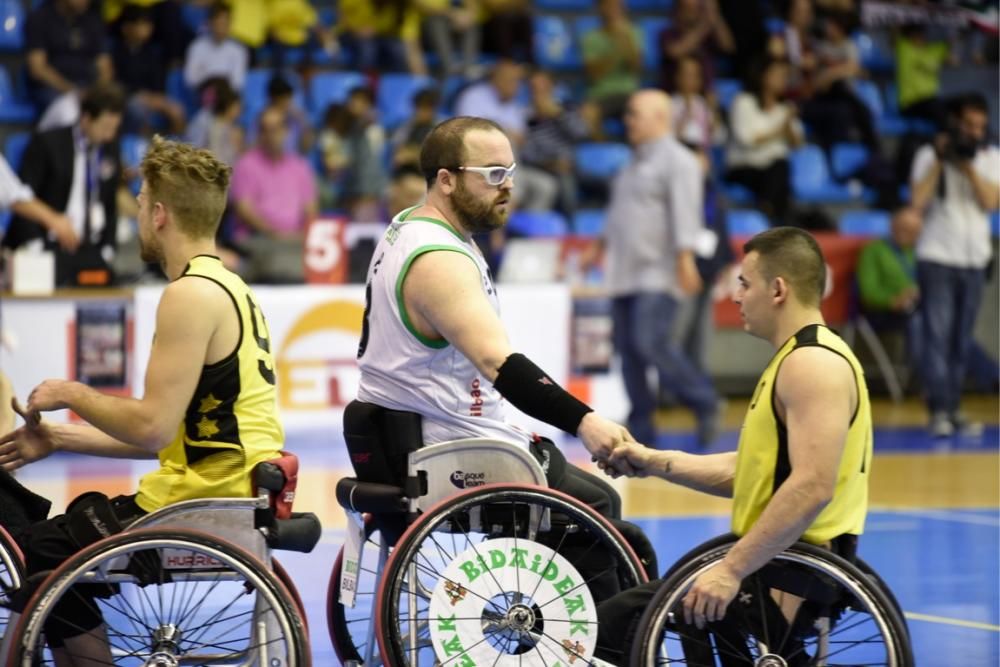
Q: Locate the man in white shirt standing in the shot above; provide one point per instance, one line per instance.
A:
(215, 53)
(956, 182)
(655, 228)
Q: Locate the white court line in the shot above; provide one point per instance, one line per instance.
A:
(944, 620)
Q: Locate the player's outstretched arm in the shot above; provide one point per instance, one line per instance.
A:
(185, 322)
(443, 294)
(708, 473)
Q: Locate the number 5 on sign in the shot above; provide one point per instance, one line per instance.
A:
(325, 254)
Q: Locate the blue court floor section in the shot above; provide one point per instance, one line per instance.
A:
(941, 564)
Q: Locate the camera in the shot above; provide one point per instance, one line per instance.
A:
(961, 148)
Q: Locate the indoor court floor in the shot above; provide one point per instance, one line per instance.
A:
(933, 532)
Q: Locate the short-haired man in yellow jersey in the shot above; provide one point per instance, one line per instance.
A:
(209, 407)
(801, 468)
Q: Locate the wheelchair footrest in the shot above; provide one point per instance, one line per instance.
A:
(370, 497)
(301, 532)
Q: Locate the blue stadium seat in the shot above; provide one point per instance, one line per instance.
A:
(775, 25)
(887, 123)
(874, 56)
(848, 158)
(178, 90)
(554, 45)
(584, 24)
(872, 223)
(13, 148)
(12, 17)
(326, 88)
(12, 109)
(726, 90)
(649, 5)
(601, 161)
(537, 223)
(746, 222)
(195, 16)
(811, 182)
(564, 5)
(133, 147)
(995, 223)
(395, 97)
(453, 85)
(651, 29)
(737, 193)
(917, 125)
(589, 221)
(255, 92)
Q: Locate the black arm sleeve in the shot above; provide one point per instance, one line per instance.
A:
(531, 391)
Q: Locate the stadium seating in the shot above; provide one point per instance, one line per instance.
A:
(888, 123)
(12, 18)
(848, 158)
(589, 222)
(737, 194)
(537, 223)
(600, 161)
(746, 222)
(564, 5)
(133, 148)
(872, 223)
(13, 110)
(394, 100)
(326, 88)
(554, 45)
(178, 90)
(726, 90)
(651, 30)
(811, 181)
(13, 148)
(255, 92)
(874, 57)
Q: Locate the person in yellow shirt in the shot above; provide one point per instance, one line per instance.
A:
(384, 35)
(209, 409)
(801, 468)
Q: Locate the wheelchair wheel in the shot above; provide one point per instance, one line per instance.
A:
(167, 597)
(11, 574)
(282, 574)
(808, 606)
(503, 574)
(351, 627)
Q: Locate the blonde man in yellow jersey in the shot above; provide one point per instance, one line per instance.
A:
(801, 468)
(209, 407)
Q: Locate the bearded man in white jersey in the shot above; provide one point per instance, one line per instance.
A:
(433, 342)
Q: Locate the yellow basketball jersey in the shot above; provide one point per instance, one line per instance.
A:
(232, 422)
(762, 462)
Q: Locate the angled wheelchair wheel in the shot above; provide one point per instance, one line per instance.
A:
(807, 607)
(351, 626)
(502, 574)
(11, 574)
(168, 597)
(286, 580)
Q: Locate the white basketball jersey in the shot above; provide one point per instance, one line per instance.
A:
(403, 370)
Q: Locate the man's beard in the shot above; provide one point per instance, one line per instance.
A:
(150, 251)
(476, 215)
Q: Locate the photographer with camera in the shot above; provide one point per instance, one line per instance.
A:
(955, 182)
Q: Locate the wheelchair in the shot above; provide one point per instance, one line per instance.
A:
(193, 583)
(808, 606)
(11, 574)
(464, 555)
